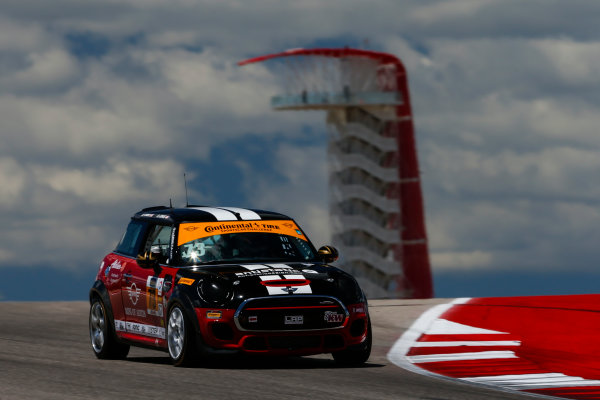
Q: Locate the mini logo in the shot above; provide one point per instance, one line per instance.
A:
(191, 228)
(289, 289)
(288, 225)
(134, 293)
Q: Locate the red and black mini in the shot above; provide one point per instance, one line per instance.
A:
(198, 280)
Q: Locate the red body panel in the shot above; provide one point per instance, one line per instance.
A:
(138, 298)
(239, 339)
(139, 303)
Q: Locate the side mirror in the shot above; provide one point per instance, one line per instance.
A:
(328, 254)
(148, 260)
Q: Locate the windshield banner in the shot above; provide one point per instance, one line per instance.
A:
(197, 230)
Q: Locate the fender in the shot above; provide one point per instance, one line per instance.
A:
(180, 296)
(99, 290)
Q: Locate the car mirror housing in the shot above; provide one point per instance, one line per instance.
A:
(328, 254)
(147, 260)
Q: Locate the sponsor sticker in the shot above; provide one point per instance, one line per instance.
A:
(214, 314)
(198, 230)
(120, 326)
(114, 276)
(116, 265)
(135, 312)
(186, 281)
(263, 272)
(358, 309)
(154, 298)
(331, 316)
(161, 216)
(294, 319)
(140, 329)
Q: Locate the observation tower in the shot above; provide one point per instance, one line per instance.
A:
(375, 200)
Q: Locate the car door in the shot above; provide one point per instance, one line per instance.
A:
(143, 289)
(117, 263)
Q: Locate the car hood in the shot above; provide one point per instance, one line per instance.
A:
(289, 279)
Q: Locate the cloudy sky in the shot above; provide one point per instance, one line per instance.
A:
(105, 104)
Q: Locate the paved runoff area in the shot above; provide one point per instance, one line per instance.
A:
(45, 353)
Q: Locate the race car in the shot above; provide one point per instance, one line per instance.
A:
(201, 281)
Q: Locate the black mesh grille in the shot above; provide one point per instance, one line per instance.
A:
(291, 314)
(294, 342)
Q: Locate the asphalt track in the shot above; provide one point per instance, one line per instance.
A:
(45, 354)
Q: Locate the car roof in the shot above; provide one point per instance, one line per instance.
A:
(194, 213)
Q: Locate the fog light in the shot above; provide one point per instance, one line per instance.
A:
(214, 314)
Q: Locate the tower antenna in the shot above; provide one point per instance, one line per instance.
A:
(187, 203)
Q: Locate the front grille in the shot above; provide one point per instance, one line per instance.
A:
(294, 342)
(291, 313)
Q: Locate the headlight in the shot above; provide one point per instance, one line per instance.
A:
(215, 291)
(349, 290)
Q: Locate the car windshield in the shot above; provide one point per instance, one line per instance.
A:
(213, 243)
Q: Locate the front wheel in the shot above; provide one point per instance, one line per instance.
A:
(356, 355)
(180, 339)
(104, 344)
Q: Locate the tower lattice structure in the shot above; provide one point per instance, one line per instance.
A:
(376, 204)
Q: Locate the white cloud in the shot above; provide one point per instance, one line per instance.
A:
(45, 70)
(116, 181)
(432, 12)
(461, 260)
(506, 113)
(301, 195)
(12, 182)
(19, 37)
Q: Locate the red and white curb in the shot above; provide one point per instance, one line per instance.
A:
(437, 346)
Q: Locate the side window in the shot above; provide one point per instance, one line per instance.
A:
(130, 242)
(158, 242)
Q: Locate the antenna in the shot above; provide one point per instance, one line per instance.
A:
(187, 203)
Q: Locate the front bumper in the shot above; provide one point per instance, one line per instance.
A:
(223, 330)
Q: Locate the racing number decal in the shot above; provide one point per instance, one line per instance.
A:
(288, 250)
(154, 298)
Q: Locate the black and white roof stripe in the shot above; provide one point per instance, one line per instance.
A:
(207, 214)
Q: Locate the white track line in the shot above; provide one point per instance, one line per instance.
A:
(481, 343)
(479, 355)
(534, 381)
(445, 327)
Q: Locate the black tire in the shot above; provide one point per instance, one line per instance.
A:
(355, 355)
(181, 342)
(102, 336)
